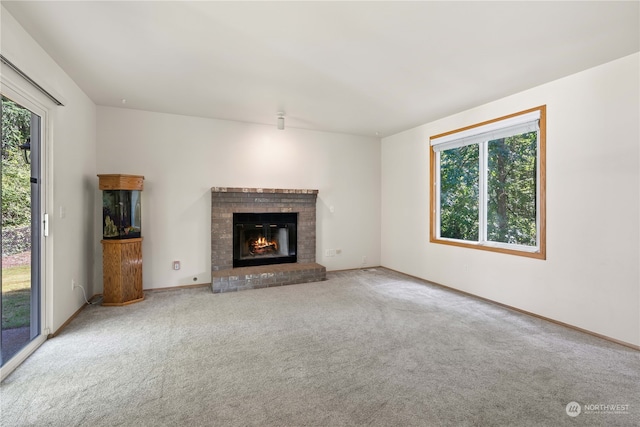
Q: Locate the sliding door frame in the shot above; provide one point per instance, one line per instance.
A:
(22, 92)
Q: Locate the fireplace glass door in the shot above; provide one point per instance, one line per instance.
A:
(264, 238)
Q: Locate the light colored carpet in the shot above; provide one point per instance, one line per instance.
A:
(362, 348)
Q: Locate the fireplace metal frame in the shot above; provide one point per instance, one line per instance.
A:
(263, 224)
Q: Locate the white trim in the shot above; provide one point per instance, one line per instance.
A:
(437, 194)
(33, 83)
(483, 188)
(522, 123)
(491, 244)
(538, 192)
(21, 356)
(14, 87)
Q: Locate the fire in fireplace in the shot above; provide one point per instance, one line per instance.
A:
(264, 238)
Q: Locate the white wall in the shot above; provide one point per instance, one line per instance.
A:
(183, 157)
(71, 174)
(591, 276)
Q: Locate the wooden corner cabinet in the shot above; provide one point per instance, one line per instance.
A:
(121, 239)
(122, 271)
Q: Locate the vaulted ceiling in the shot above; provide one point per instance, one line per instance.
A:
(366, 68)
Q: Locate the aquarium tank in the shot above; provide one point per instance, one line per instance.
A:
(121, 214)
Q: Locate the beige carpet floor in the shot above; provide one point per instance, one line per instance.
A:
(369, 347)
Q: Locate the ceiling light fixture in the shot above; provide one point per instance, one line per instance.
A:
(280, 120)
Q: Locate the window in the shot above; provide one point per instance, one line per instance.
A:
(488, 183)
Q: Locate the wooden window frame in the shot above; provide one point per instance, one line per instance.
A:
(541, 184)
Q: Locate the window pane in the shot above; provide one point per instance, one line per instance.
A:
(511, 210)
(459, 193)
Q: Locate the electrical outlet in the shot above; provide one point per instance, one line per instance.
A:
(330, 252)
(73, 284)
(364, 261)
(176, 265)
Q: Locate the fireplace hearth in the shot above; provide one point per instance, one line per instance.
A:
(263, 238)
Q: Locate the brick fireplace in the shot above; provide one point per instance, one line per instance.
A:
(225, 202)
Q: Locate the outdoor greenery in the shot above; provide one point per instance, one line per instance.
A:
(459, 192)
(16, 212)
(511, 191)
(16, 187)
(16, 296)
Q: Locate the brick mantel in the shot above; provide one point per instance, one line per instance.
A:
(225, 201)
(261, 190)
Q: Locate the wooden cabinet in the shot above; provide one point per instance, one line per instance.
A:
(122, 240)
(122, 271)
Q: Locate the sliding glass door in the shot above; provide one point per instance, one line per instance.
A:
(20, 191)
